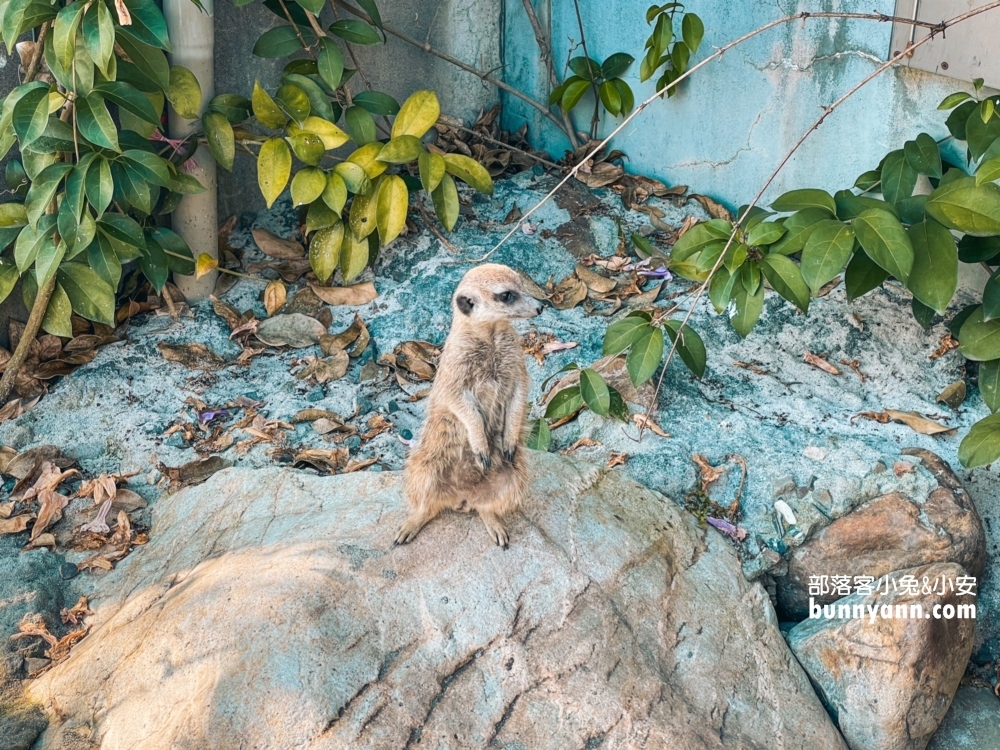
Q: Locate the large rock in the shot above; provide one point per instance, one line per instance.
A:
(888, 681)
(888, 533)
(972, 722)
(270, 610)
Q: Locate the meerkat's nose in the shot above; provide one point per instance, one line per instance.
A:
(538, 307)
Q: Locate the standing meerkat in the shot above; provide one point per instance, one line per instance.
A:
(467, 456)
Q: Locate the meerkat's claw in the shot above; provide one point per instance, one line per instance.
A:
(496, 529)
(509, 454)
(485, 460)
(410, 528)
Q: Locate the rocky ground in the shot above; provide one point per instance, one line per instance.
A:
(794, 426)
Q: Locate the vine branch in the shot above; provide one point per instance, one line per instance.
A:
(545, 50)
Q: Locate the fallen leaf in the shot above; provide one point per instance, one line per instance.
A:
(275, 296)
(358, 294)
(378, 425)
(600, 175)
(715, 209)
(616, 459)
(204, 264)
(356, 333)
(7, 454)
(584, 442)
(6, 510)
(359, 464)
(819, 363)
(709, 474)
(330, 460)
(919, 423)
(295, 330)
(25, 464)
(594, 280)
(193, 472)
(323, 425)
(828, 287)
(50, 510)
(947, 344)
(275, 247)
(326, 369)
(15, 525)
(570, 292)
(75, 614)
(418, 358)
(194, 356)
(899, 468)
(311, 415)
(305, 301)
(953, 395)
(227, 312)
(534, 291)
(46, 540)
(642, 421)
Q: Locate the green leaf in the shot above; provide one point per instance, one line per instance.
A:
(934, 276)
(393, 202)
(826, 252)
(355, 32)
(265, 110)
(94, 122)
(980, 133)
(446, 206)
(539, 436)
(720, 289)
(953, 100)
(765, 233)
(64, 32)
(124, 231)
(692, 30)
(958, 320)
(281, 41)
(922, 313)
(364, 209)
(885, 242)
(898, 177)
(353, 256)
(432, 169)
(220, 137)
(18, 16)
(329, 134)
(184, 92)
(868, 180)
(30, 242)
(8, 277)
(679, 56)
(469, 171)
(308, 147)
(148, 61)
(991, 297)
(586, 68)
(980, 338)
(982, 445)
(644, 356)
(377, 103)
(31, 113)
(959, 117)
(90, 295)
(274, 166)
(574, 90)
(750, 276)
(313, 6)
(989, 383)
(963, 205)
(797, 200)
(623, 333)
(615, 65)
(417, 115)
(43, 190)
(989, 171)
(105, 263)
(129, 98)
(565, 403)
(293, 101)
(99, 36)
(699, 237)
(610, 97)
(354, 177)
(319, 102)
(330, 63)
(595, 392)
(50, 255)
(99, 186)
(360, 125)
(690, 347)
(58, 315)
(402, 149)
(150, 167)
(625, 94)
(923, 155)
(786, 278)
(748, 309)
(167, 239)
(148, 24)
(308, 184)
(335, 193)
(850, 206)
(798, 228)
(978, 249)
(320, 216)
(324, 251)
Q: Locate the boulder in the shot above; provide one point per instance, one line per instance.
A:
(270, 610)
(888, 681)
(971, 723)
(889, 533)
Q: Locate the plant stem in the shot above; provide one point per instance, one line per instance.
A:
(458, 63)
(596, 119)
(545, 50)
(298, 33)
(36, 61)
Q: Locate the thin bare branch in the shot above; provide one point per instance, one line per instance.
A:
(595, 121)
(545, 50)
(36, 60)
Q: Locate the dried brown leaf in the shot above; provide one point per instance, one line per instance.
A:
(709, 474)
(276, 247)
(311, 415)
(194, 356)
(570, 292)
(947, 344)
(642, 421)
(819, 363)
(914, 420)
(715, 209)
(616, 459)
(227, 312)
(75, 614)
(193, 472)
(15, 525)
(326, 369)
(357, 294)
(594, 281)
(953, 394)
(295, 330)
(275, 296)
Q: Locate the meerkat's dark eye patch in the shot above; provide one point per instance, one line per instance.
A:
(465, 305)
(508, 297)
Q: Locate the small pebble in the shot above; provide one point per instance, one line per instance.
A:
(316, 394)
(353, 442)
(68, 570)
(782, 485)
(392, 407)
(364, 406)
(406, 434)
(176, 441)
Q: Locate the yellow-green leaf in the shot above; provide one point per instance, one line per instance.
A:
(393, 200)
(354, 177)
(308, 147)
(324, 251)
(335, 193)
(331, 136)
(265, 110)
(353, 256)
(308, 184)
(274, 166)
(366, 157)
(446, 205)
(401, 150)
(431, 170)
(417, 115)
(363, 213)
(221, 141)
(470, 171)
(184, 92)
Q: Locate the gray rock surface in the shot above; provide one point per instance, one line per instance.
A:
(972, 723)
(889, 533)
(888, 681)
(270, 606)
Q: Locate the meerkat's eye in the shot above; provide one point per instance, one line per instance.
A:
(507, 297)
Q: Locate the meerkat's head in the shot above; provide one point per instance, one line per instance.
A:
(490, 293)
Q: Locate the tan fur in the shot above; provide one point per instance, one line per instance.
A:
(467, 456)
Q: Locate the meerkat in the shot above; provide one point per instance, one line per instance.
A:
(466, 457)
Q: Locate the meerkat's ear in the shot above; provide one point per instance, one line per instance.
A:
(465, 304)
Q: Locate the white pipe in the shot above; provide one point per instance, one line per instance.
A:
(196, 219)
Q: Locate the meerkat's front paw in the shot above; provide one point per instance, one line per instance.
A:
(510, 452)
(496, 529)
(409, 530)
(485, 460)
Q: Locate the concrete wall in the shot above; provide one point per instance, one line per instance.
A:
(466, 29)
(733, 121)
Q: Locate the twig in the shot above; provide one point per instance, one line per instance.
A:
(295, 26)
(545, 50)
(595, 121)
(935, 30)
(458, 63)
(507, 146)
(938, 27)
(36, 60)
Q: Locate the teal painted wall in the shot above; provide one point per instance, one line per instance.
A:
(733, 121)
